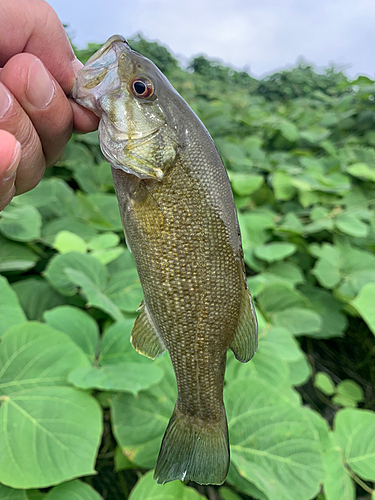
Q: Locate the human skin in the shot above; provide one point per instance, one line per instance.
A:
(37, 72)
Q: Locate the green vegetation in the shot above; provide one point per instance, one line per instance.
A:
(75, 397)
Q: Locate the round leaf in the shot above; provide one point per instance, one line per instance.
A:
(66, 242)
(89, 266)
(355, 434)
(22, 223)
(33, 354)
(275, 251)
(324, 383)
(78, 325)
(273, 443)
(48, 435)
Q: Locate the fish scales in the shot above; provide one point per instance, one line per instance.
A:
(179, 219)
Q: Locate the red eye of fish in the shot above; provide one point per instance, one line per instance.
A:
(142, 87)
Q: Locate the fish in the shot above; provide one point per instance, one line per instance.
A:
(180, 223)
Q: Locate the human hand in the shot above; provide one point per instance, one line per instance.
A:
(37, 72)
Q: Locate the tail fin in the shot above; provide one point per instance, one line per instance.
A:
(193, 449)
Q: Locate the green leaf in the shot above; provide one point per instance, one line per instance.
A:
(334, 323)
(65, 424)
(33, 354)
(36, 296)
(324, 383)
(116, 347)
(300, 371)
(352, 225)
(245, 184)
(273, 443)
(76, 490)
(275, 251)
(139, 422)
(263, 365)
(15, 256)
(91, 268)
(34, 361)
(277, 297)
(289, 130)
(327, 268)
(66, 242)
(11, 494)
(364, 304)
(11, 312)
(321, 221)
(22, 223)
(52, 228)
(127, 377)
(354, 283)
(78, 325)
(107, 256)
(244, 486)
(107, 206)
(362, 170)
(291, 223)
(95, 297)
(124, 289)
(349, 393)
(103, 241)
(298, 321)
(148, 489)
(280, 343)
(283, 188)
(288, 271)
(338, 484)
(354, 432)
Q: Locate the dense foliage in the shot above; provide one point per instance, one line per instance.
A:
(75, 397)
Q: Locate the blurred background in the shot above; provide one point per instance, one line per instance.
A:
(260, 36)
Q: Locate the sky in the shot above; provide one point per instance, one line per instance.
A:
(260, 36)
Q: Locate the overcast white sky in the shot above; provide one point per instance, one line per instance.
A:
(262, 35)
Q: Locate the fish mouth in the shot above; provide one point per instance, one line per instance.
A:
(100, 67)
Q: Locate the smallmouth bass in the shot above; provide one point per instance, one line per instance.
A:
(180, 223)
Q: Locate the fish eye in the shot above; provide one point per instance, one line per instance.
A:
(142, 87)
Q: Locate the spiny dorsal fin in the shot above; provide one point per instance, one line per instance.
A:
(245, 340)
(144, 337)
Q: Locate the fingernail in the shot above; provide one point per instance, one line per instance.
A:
(12, 169)
(76, 65)
(40, 87)
(4, 101)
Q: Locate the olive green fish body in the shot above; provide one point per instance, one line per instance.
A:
(180, 223)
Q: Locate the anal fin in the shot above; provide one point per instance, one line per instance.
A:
(144, 337)
(245, 340)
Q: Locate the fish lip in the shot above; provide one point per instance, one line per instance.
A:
(108, 46)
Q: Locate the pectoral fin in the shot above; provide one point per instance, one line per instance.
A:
(144, 337)
(245, 341)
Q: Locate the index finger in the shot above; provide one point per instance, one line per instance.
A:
(33, 26)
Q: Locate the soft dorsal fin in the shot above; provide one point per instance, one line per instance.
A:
(245, 340)
(144, 337)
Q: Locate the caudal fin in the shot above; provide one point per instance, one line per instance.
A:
(193, 449)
